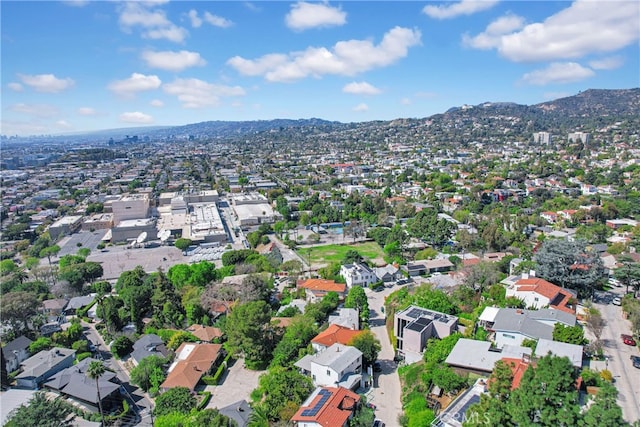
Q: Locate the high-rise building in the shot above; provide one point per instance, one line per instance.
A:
(584, 137)
(542, 138)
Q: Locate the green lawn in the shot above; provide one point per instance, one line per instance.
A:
(335, 253)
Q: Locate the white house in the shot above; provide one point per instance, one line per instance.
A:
(15, 352)
(512, 326)
(338, 365)
(538, 293)
(38, 368)
(358, 275)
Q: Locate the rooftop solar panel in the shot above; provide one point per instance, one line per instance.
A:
(312, 412)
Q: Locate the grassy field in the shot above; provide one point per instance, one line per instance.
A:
(335, 253)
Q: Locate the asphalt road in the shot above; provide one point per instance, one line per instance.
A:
(627, 378)
(140, 404)
(386, 392)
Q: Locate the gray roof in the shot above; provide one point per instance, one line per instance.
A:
(12, 399)
(41, 363)
(239, 412)
(75, 382)
(532, 323)
(478, 355)
(560, 349)
(20, 343)
(337, 357)
(148, 345)
(347, 317)
(79, 302)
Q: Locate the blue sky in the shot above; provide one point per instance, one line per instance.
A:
(72, 66)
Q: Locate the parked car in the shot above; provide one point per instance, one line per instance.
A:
(628, 339)
(378, 423)
(377, 367)
(616, 301)
(635, 360)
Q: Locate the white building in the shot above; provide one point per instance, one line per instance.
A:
(542, 138)
(358, 275)
(339, 365)
(584, 137)
(133, 206)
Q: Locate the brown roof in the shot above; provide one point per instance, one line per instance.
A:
(205, 333)
(335, 334)
(282, 322)
(336, 410)
(193, 361)
(323, 285)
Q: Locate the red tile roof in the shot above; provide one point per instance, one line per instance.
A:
(323, 285)
(335, 334)
(335, 412)
(518, 368)
(205, 333)
(548, 290)
(187, 372)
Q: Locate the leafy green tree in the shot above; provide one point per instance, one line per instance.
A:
(296, 338)
(604, 411)
(427, 296)
(357, 298)
(249, 333)
(182, 243)
(7, 266)
(149, 373)
(278, 387)
(368, 344)
(547, 394)
(48, 252)
(629, 273)
(40, 412)
(17, 308)
(352, 257)
(42, 343)
(568, 334)
(177, 399)
(121, 346)
(95, 371)
(569, 264)
(437, 350)
(445, 378)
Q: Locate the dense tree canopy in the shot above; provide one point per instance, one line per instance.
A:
(40, 412)
(250, 333)
(279, 387)
(569, 264)
(177, 399)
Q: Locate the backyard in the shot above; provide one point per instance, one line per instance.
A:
(319, 256)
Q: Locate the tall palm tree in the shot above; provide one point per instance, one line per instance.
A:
(95, 371)
(259, 417)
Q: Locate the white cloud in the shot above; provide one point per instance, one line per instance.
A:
(490, 38)
(361, 107)
(217, 21)
(405, 101)
(46, 82)
(17, 87)
(63, 124)
(610, 63)
(195, 93)
(586, 27)
(361, 88)
(87, 111)
(37, 110)
(155, 23)
(171, 33)
(136, 83)
(196, 22)
(558, 72)
(345, 58)
(173, 61)
(156, 103)
(465, 7)
(136, 117)
(312, 15)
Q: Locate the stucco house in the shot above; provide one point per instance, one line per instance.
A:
(42, 366)
(337, 365)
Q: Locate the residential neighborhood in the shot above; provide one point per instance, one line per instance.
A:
(389, 274)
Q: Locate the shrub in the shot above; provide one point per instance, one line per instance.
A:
(81, 356)
(121, 346)
(606, 375)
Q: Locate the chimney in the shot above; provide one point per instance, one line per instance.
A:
(525, 275)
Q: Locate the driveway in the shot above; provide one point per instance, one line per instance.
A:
(627, 378)
(237, 384)
(386, 391)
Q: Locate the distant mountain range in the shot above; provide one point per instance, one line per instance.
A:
(589, 109)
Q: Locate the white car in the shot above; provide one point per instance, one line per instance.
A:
(616, 301)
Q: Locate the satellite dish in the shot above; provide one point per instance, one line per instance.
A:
(164, 235)
(142, 237)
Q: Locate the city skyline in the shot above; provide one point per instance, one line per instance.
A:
(77, 66)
